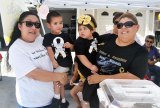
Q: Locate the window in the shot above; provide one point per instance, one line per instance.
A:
(104, 13)
(139, 14)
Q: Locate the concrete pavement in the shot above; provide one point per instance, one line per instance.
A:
(7, 93)
(7, 89)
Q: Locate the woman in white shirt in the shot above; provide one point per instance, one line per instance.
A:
(33, 68)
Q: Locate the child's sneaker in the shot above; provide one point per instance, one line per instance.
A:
(64, 105)
(55, 103)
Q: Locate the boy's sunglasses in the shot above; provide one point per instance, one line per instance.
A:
(149, 41)
(30, 24)
(127, 24)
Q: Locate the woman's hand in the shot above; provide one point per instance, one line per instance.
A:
(94, 69)
(63, 78)
(67, 45)
(94, 79)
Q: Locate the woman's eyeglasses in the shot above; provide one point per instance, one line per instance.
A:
(149, 41)
(127, 24)
(30, 24)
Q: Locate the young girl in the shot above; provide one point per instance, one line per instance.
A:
(86, 51)
(59, 47)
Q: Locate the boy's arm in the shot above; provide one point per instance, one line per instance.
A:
(87, 63)
(51, 56)
(69, 45)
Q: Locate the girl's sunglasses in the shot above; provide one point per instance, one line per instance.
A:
(30, 24)
(127, 24)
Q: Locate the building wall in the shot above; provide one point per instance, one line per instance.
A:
(146, 21)
(157, 22)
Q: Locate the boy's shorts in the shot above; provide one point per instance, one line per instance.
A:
(61, 69)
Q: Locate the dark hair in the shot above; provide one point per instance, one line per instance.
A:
(130, 16)
(17, 33)
(51, 15)
(150, 37)
(93, 21)
(116, 16)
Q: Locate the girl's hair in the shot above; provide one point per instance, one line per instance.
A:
(88, 25)
(51, 15)
(130, 16)
(16, 32)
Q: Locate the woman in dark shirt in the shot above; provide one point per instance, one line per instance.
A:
(121, 57)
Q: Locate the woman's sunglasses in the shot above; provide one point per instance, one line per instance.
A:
(127, 24)
(30, 24)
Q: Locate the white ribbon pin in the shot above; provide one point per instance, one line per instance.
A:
(93, 45)
(59, 47)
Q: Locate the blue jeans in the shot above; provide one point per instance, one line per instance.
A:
(54, 104)
(155, 70)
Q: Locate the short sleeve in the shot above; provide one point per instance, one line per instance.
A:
(20, 62)
(157, 53)
(139, 65)
(80, 47)
(47, 40)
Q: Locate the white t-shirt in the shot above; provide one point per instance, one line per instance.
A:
(23, 58)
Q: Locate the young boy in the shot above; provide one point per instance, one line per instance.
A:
(59, 47)
(86, 51)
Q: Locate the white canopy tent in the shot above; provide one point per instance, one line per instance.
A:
(99, 4)
(95, 7)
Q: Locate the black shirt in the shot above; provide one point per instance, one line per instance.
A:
(114, 59)
(82, 47)
(51, 39)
